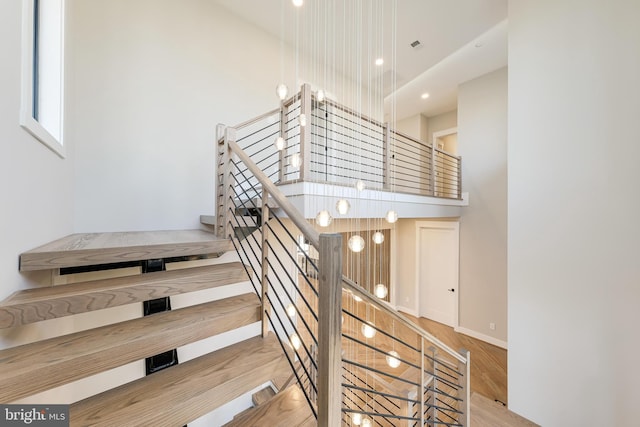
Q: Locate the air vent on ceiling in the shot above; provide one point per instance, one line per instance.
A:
(416, 44)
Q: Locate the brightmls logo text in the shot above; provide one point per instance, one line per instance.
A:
(34, 415)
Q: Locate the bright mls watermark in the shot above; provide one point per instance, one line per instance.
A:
(34, 415)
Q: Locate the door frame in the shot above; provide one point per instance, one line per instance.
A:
(440, 225)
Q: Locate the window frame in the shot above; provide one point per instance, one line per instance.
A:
(27, 121)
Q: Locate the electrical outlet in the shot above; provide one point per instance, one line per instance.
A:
(492, 326)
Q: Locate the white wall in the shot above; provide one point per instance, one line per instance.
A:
(411, 126)
(482, 143)
(36, 190)
(151, 81)
(440, 122)
(574, 145)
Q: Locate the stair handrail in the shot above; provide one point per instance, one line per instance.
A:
(313, 236)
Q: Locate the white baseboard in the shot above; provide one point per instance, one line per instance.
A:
(482, 337)
(411, 311)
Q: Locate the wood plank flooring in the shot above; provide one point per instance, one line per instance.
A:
(488, 362)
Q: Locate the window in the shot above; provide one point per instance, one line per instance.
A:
(43, 71)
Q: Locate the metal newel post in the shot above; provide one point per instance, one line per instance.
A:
(330, 331)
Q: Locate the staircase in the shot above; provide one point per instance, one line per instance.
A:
(174, 396)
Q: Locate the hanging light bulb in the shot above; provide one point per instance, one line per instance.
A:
(295, 160)
(291, 310)
(356, 243)
(381, 291)
(295, 341)
(320, 95)
(324, 218)
(368, 330)
(279, 143)
(378, 237)
(366, 422)
(360, 185)
(357, 419)
(343, 206)
(302, 118)
(297, 3)
(281, 91)
(391, 216)
(393, 359)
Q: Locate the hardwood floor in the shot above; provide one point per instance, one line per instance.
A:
(488, 362)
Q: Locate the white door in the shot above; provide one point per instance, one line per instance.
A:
(437, 271)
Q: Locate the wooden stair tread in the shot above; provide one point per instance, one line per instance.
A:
(184, 392)
(39, 366)
(103, 248)
(289, 408)
(38, 304)
(261, 396)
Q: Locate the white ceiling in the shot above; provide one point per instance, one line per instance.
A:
(449, 31)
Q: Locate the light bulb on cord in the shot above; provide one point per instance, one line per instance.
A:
(381, 291)
(393, 359)
(357, 419)
(303, 119)
(296, 160)
(291, 310)
(295, 341)
(391, 216)
(366, 422)
(343, 206)
(324, 218)
(368, 330)
(297, 3)
(356, 243)
(279, 143)
(281, 91)
(320, 95)
(378, 237)
(360, 185)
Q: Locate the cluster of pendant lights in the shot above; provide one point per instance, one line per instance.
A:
(324, 218)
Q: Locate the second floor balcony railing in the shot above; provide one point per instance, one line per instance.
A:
(326, 142)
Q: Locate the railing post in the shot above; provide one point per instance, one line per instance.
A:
(433, 169)
(330, 331)
(222, 150)
(434, 384)
(224, 228)
(422, 382)
(305, 132)
(459, 178)
(465, 383)
(281, 154)
(386, 142)
(266, 307)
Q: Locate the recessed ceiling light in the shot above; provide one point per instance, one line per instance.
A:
(379, 61)
(424, 95)
(297, 3)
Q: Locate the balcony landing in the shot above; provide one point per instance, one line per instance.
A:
(312, 197)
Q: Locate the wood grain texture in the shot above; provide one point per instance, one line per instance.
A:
(487, 413)
(289, 408)
(262, 396)
(182, 393)
(42, 365)
(103, 248)
(33, 305)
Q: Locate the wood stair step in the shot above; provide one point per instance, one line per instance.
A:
(289, 408)
(82, 249)
(33, 305)
(39, 366)
(184, 392)
(260, 397)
